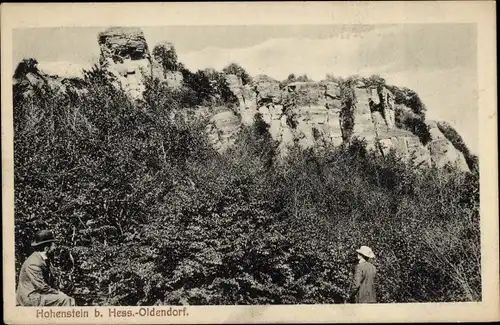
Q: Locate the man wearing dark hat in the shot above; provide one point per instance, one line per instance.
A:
(34, 287)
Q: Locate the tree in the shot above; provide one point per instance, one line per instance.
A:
(291, 78)
(166, 55)
(220, 87)
(237, 70)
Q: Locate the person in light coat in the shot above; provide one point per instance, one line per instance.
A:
(363, 291)
(36, 278)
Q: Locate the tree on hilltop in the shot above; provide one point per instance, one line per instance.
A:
(166, 55)
(25, 66)
(237, 70)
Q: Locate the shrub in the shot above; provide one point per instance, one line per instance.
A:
(237, 70)
(303, 78)
(374, 80)
(24, 67)
(331, 77)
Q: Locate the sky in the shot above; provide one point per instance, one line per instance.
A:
(438, 61)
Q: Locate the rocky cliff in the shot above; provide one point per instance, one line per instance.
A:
(124, 53)
(312, 113)
(28, 75)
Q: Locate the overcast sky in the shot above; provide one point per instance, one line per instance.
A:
(439, 61)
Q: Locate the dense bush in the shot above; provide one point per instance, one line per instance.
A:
(374, 80)
(148, 213)
(303, 78)
(291, 78)
(24, 67)
(331, 77)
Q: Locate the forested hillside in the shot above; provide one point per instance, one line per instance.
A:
(148, 212)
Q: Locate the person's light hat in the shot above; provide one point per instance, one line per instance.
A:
(366, 251)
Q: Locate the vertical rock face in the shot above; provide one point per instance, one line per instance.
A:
(388, 103)
(374, 111)
(406, 144)
(317, 112)
(173, 79)
(125, 53)
(308, 113)
(364, 126)
(236, 87)
(267, 90)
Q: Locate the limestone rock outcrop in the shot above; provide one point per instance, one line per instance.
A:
(310, 113)
(373, 112)
(125, 53)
